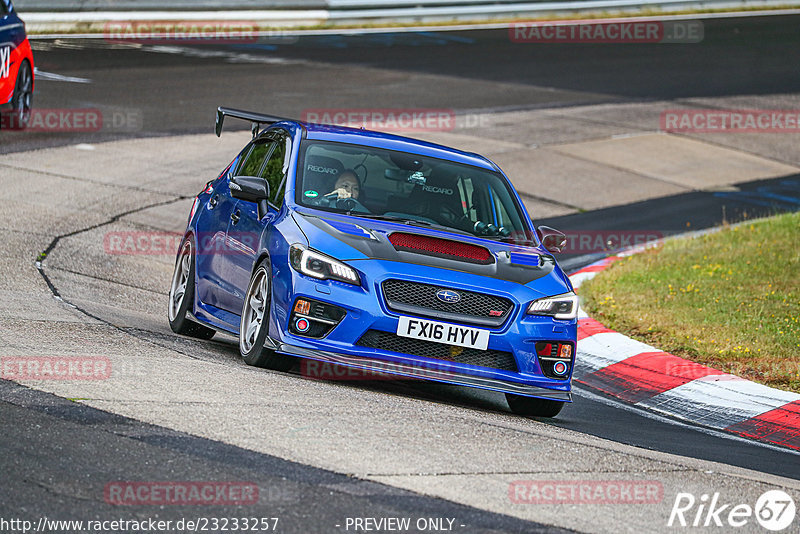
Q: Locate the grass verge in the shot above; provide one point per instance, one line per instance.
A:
(730, 300)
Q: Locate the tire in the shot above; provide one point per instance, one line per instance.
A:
(20, 114)
(533, 407)
(181, 296)
(254, 323)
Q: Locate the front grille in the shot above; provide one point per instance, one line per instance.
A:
(420, 299)
(493, 359)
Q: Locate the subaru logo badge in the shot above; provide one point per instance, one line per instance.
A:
(445, 295)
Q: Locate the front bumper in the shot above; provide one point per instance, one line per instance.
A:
(425, 373)
(366, 311)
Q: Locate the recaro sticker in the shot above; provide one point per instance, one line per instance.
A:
(437, 190)
(324, 170)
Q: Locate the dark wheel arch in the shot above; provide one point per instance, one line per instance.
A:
(255, 320)
(181, 294)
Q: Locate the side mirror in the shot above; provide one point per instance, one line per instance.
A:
(251, 189)
(552, 240)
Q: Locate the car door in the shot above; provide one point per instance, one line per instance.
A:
(213, 266)
(245, 228)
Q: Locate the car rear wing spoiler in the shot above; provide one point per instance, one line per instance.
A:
(256, 119)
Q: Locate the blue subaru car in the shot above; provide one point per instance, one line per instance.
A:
(381, 253)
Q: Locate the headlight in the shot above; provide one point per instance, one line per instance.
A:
(560, 306)
(318, 265)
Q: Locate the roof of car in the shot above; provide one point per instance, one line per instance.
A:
(357, 136)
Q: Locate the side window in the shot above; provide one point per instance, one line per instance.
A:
(268, 158)
(3, 8)
(276, 167)
(253, 161)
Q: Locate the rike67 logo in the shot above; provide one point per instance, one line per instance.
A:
(774, 510)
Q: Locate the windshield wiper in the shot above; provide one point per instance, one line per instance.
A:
(378, 217)
(412, 222)
(511, 240)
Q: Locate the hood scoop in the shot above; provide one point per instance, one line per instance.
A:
(441, 248)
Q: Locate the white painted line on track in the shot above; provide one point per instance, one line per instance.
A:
(53, 77)
(581, 392)
(608, 348)
(230, 57)
(720, 403)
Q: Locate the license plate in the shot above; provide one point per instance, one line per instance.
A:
(449, 334)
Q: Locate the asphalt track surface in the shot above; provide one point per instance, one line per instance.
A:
(175, 92)
(173, 87)
(305, 499)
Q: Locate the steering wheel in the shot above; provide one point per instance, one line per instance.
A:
(454, 217)
(350, 204)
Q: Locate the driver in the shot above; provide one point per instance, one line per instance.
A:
(346, 186)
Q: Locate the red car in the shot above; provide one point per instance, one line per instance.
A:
(16, 70)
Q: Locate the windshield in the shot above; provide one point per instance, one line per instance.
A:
(384, 184)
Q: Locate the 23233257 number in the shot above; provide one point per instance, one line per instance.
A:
(234, 524)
